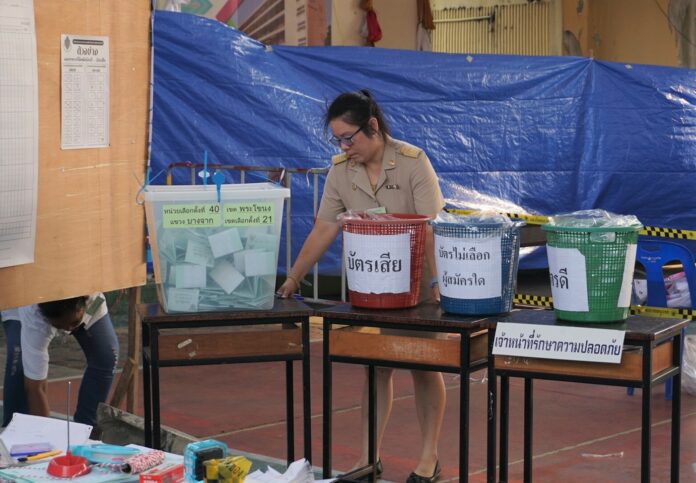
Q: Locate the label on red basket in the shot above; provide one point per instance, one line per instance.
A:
(469, 268)
(377, 263)
(568, 276)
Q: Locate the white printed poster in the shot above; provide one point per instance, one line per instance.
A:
(627, 281)
(19, 132)
(84, 84)
(469, 268)
(568, 276)
(378, 263)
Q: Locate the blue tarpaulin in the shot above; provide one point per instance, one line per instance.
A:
(538, 135)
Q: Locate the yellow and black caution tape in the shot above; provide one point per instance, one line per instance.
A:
(668, 232)
(533, 300)
(662, 312)
(656, 231)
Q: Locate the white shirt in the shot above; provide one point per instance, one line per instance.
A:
(37, 334)
(9, 314)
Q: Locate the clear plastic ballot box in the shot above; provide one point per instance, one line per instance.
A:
(211, 255)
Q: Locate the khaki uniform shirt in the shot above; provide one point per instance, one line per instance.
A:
(407, 184)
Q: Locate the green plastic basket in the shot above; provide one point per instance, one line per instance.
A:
(604, 266)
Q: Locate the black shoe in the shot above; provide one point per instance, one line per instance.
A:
(379, 469)
(416, 478)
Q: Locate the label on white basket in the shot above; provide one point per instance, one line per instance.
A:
(469, 268)
(568, 276)
(378, 263)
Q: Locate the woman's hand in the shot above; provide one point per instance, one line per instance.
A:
(289, 287)
(435, 290)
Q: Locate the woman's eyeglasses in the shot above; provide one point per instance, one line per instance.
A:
(347, 140)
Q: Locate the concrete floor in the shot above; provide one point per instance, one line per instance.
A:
(581, 433)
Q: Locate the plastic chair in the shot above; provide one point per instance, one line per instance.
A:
(654, 255)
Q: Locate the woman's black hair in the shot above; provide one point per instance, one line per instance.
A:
(357, 108)
(60, 308)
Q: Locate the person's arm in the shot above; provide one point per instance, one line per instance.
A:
(37, 397)
(320, 238)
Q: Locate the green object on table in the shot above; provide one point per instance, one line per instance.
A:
(604, 249)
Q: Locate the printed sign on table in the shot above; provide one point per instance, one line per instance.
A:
(469, 269)
(557, 342)
(378, 263)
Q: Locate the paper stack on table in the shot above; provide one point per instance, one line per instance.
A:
(25, 428)
(298, 472)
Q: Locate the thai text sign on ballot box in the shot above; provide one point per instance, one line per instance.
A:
(557, 342)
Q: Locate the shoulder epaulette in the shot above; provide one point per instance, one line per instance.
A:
(338, 158)
(410, 151)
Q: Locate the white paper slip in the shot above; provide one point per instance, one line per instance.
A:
(257, 263)
(225, 242)
(226, 276)
(182, 299)
(262, 241)
(190, 276)
(197, 253)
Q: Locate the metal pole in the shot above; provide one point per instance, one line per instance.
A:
(315, 210)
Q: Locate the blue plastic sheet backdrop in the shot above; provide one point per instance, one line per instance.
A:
(538, 135)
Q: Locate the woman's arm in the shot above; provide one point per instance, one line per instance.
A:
(320, 238)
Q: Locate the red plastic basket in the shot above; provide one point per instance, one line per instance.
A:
(414, 225)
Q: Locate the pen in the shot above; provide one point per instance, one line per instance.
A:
(39, 456)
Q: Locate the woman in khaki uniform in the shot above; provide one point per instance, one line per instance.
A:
(378, 172)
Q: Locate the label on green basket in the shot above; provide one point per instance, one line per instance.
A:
(198, 215)
(627, 280)
(558, 342)
(248, 214)
(469, 268)
(568, 277)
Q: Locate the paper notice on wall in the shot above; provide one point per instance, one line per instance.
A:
(568, 276)
(84, 87)
(469, 268)
(378, 263)
(19, 132)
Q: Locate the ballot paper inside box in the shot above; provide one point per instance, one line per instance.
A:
(212, 255)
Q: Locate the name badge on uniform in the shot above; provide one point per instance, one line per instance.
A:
(380, 210)
(392, 186)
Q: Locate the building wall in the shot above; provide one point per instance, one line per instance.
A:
(635, 31)
(397, 19)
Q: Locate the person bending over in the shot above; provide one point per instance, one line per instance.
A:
(87, 319)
